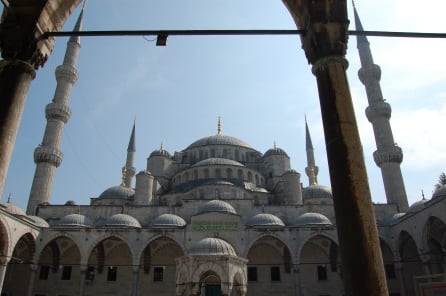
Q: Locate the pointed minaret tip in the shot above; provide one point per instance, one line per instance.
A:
(309, 143)
(132, 145)
(358, 25)
(78, 25)
(219, 126)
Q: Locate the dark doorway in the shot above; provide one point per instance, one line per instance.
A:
(213, 290)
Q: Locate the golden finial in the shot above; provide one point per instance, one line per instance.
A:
(219, 126)
(275, 145)
(161, 147)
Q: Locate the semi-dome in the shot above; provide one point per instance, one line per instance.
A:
(74, 220)
(39, 221)
(312, 219)
(275, 151)
(12, 208)
(168, 221)
(218, 139)
(418, 205)
(440, 192)
(265, 220)
(120, 192)
(217, 161)
(212, 246)
(121, 220)
(216, 206)
(316, 191)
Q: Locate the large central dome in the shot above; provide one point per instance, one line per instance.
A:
(218, 139)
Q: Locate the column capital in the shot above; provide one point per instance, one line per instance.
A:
(325, 24)
(322, 63)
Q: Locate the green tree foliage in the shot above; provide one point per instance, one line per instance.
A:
(441, 181)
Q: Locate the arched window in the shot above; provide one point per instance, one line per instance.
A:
(240, 174)
(206, 173)
(195, 175)
(249, 176)
(217, 173)
(229, 173)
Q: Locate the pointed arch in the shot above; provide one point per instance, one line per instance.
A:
(434, 244)
(411, 264)
(19, 266)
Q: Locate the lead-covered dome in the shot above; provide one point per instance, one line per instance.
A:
(118, 192)
(168, 221)
(121, 220)
(218, 161)
(160, 152)
(74, 220)
(312, 219)
(265, 220)
(218, 140)
(417, 206)
(39, 221)
(216, 206)
(212, 247)
(275, 151)
(316, 191)
(12, 208)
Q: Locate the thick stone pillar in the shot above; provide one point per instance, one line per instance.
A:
(400, 276)
(296, 275)
(15, 79)
(324, 41)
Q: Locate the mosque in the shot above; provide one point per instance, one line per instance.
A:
(216, 218)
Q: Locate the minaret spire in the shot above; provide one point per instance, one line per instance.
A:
(311, 170)
(128, 171)
(219, 126)
(388, 155)
(48, 155)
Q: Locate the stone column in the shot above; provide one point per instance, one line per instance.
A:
(399, 272)
(15, 79)
(32, 277)
(296, 273)
(135, 281)
(3, 265)
(324, 42)
(83, 272)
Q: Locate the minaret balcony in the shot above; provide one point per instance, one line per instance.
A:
(48, 155)
(57, 111)
(66, 73)
(378, 110)
(369, 74)
(388, 155)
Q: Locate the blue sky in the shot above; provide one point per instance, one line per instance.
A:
(261, 86)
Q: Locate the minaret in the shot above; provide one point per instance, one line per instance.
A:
(48, 156)
(311, 170)
(388, 155)
(128, 171)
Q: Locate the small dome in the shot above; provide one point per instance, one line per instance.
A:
(417, 206)
(316, 191)
(391, 220)
(70, 203)
(212, 246)
(440, 192)
(168, 221)
(121, 220)
(118, 192)
(294, 172)
(218, 140)
(39, 221)
(12, 209)
(74, 220)
(312, 219)
(218, 161)
(265, 220)
(275, 151)
(216, 206)
(160, 152)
